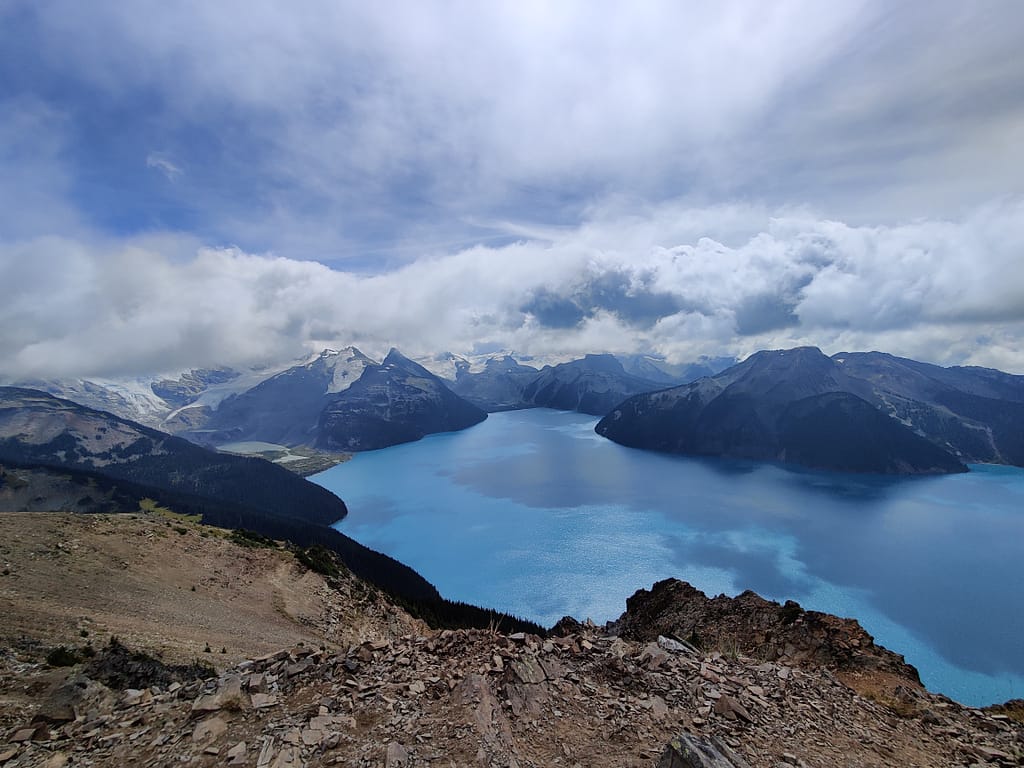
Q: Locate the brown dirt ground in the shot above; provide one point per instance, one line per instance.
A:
(136, 577)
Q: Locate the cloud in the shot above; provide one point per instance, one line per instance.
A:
(619, 292)
(336, 131)
(765, 312)
(554, 311)
(165, 166)
(681, 177)
(944, 291)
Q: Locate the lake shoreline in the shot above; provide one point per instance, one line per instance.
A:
(532, 513)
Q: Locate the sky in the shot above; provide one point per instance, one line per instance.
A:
(192, 183)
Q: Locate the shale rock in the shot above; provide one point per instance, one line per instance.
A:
(686, 751)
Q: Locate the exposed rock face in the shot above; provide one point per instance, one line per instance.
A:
(756, 627)
(72, 698)
(593, 385)
(396, 402)
(793, 405)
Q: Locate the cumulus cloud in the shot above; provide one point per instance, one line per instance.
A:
(945, 291)
(680, 177)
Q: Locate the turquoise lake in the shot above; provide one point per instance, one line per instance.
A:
(533, 513)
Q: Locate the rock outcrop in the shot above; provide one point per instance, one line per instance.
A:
(686, 751)
(753, 626)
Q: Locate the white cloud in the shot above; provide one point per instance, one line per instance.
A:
(165, 166)
(674, 176)
(944, 291)
(350, 127)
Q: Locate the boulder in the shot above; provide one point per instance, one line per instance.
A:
(209, 729)
(686, 751)
(229, 696)
(74, 697)
(396, 756)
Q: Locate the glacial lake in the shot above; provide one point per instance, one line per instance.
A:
(532, 513)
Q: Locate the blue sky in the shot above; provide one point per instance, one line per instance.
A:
(195, 183)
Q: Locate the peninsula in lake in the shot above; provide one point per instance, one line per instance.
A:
(853, 412)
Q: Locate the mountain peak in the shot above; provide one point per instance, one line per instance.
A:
(394, 402)
(398, 360)
(603, 363)
(790, 356)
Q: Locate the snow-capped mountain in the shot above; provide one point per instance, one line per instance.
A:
(128, 398)
(285, 407)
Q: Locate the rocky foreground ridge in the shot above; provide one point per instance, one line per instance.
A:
(363, 684)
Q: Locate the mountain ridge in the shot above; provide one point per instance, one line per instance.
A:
(803, 407)
(137, 462)
(284, 408)
(593, 385)
(318, 668)
(112, 461)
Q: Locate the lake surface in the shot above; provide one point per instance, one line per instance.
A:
(533, 513)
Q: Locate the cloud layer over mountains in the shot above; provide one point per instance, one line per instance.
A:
(193, 183)
(945, 291)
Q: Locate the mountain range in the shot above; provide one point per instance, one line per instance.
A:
(498, 387)
(344, 400)
(856, 411)
(860, 412)
(777, 683)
